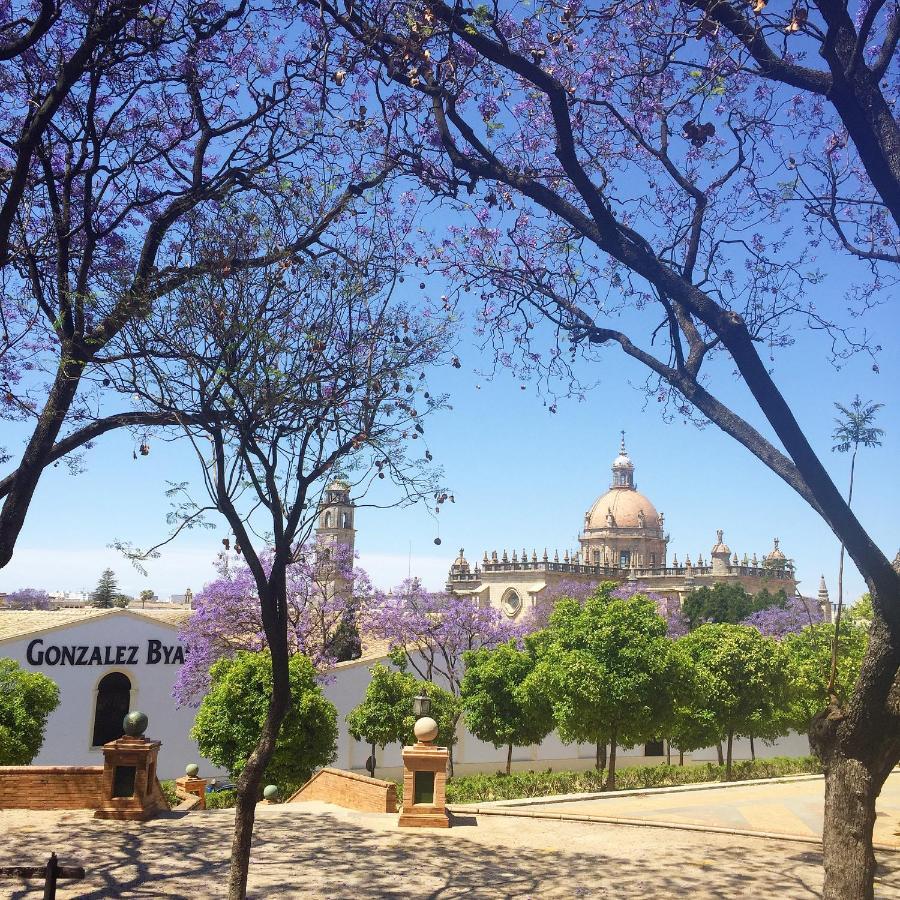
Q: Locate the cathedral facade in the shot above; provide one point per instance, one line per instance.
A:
(623, 539)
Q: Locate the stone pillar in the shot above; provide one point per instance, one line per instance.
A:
(425, 780)
(189, 783)
(129, 788)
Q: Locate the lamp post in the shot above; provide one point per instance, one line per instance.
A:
(421, 706)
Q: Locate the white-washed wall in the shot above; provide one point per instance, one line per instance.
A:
(346, 688)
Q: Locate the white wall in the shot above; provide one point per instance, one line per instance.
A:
(346, 687)
(67, 740)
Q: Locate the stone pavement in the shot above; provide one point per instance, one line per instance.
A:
(316, 851)
(787, 808)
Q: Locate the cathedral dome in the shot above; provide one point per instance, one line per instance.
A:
(625, 506)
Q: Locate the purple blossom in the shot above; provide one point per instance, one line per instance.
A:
(777, 621)
(668, 607)
(28, 598)
(434, 629)
(323, 592)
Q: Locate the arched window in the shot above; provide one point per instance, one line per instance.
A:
(346, 520)
(328, 520)
(113, 703)
(511, 603)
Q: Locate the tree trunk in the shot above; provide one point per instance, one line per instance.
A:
(680, 757)
(250, 779)
(611, 774)
(720, 753)
(37, 455)
(509, 759)
(728, 757)
(859, 744)
(850, 794)
(668, 753)
(752, 749)
(600, 756)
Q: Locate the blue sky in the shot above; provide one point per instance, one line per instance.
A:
(520, 476)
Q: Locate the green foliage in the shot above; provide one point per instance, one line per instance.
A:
(146, 596)
(487, 788)
(856, 425)
(809, 652)
(107, 590)
(608, 669)
(26, 701)
(221, 799)
(693, 724)
(861, 613)
(231, 716)
(727, 603)
(446, 709)
(741, 678)
(120, 601)
(386, 714)
(168, 789)
(498, 709)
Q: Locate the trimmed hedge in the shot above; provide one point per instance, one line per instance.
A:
(221, 799)
(518, 785)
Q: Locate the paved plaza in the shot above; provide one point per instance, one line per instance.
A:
(789, 807)
(319, 851)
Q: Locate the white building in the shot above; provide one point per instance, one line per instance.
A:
(346, 688)
(106, 662)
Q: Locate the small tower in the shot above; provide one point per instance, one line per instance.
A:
(336, 511)
(776, 558)
(824, 600)
(720, 555)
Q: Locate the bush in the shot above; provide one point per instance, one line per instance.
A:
(168, 788)
(26, 701)
(221, 799)
(232, 714)
(518, 785)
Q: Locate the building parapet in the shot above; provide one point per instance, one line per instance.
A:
(615, 573)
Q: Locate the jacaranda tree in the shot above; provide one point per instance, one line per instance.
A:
(122, 123)
(656, 179)
(284, 378)
(227, 617)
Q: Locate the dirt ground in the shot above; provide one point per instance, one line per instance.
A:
(318, 851)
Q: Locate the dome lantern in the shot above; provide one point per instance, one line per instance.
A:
(623, 468)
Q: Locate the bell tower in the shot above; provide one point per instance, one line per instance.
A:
(336, 512)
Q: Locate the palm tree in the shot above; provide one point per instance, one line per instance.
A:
(854, 428)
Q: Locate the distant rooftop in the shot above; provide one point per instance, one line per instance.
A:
(16, 623)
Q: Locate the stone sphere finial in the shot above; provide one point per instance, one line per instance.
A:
(192, 770)
(425, 729)
(135, 723)
(270, 792)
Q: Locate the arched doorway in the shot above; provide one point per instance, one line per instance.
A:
(113, 703)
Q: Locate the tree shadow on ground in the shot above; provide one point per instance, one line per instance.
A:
(299, 853)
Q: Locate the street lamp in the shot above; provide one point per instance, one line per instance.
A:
(421, 706)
